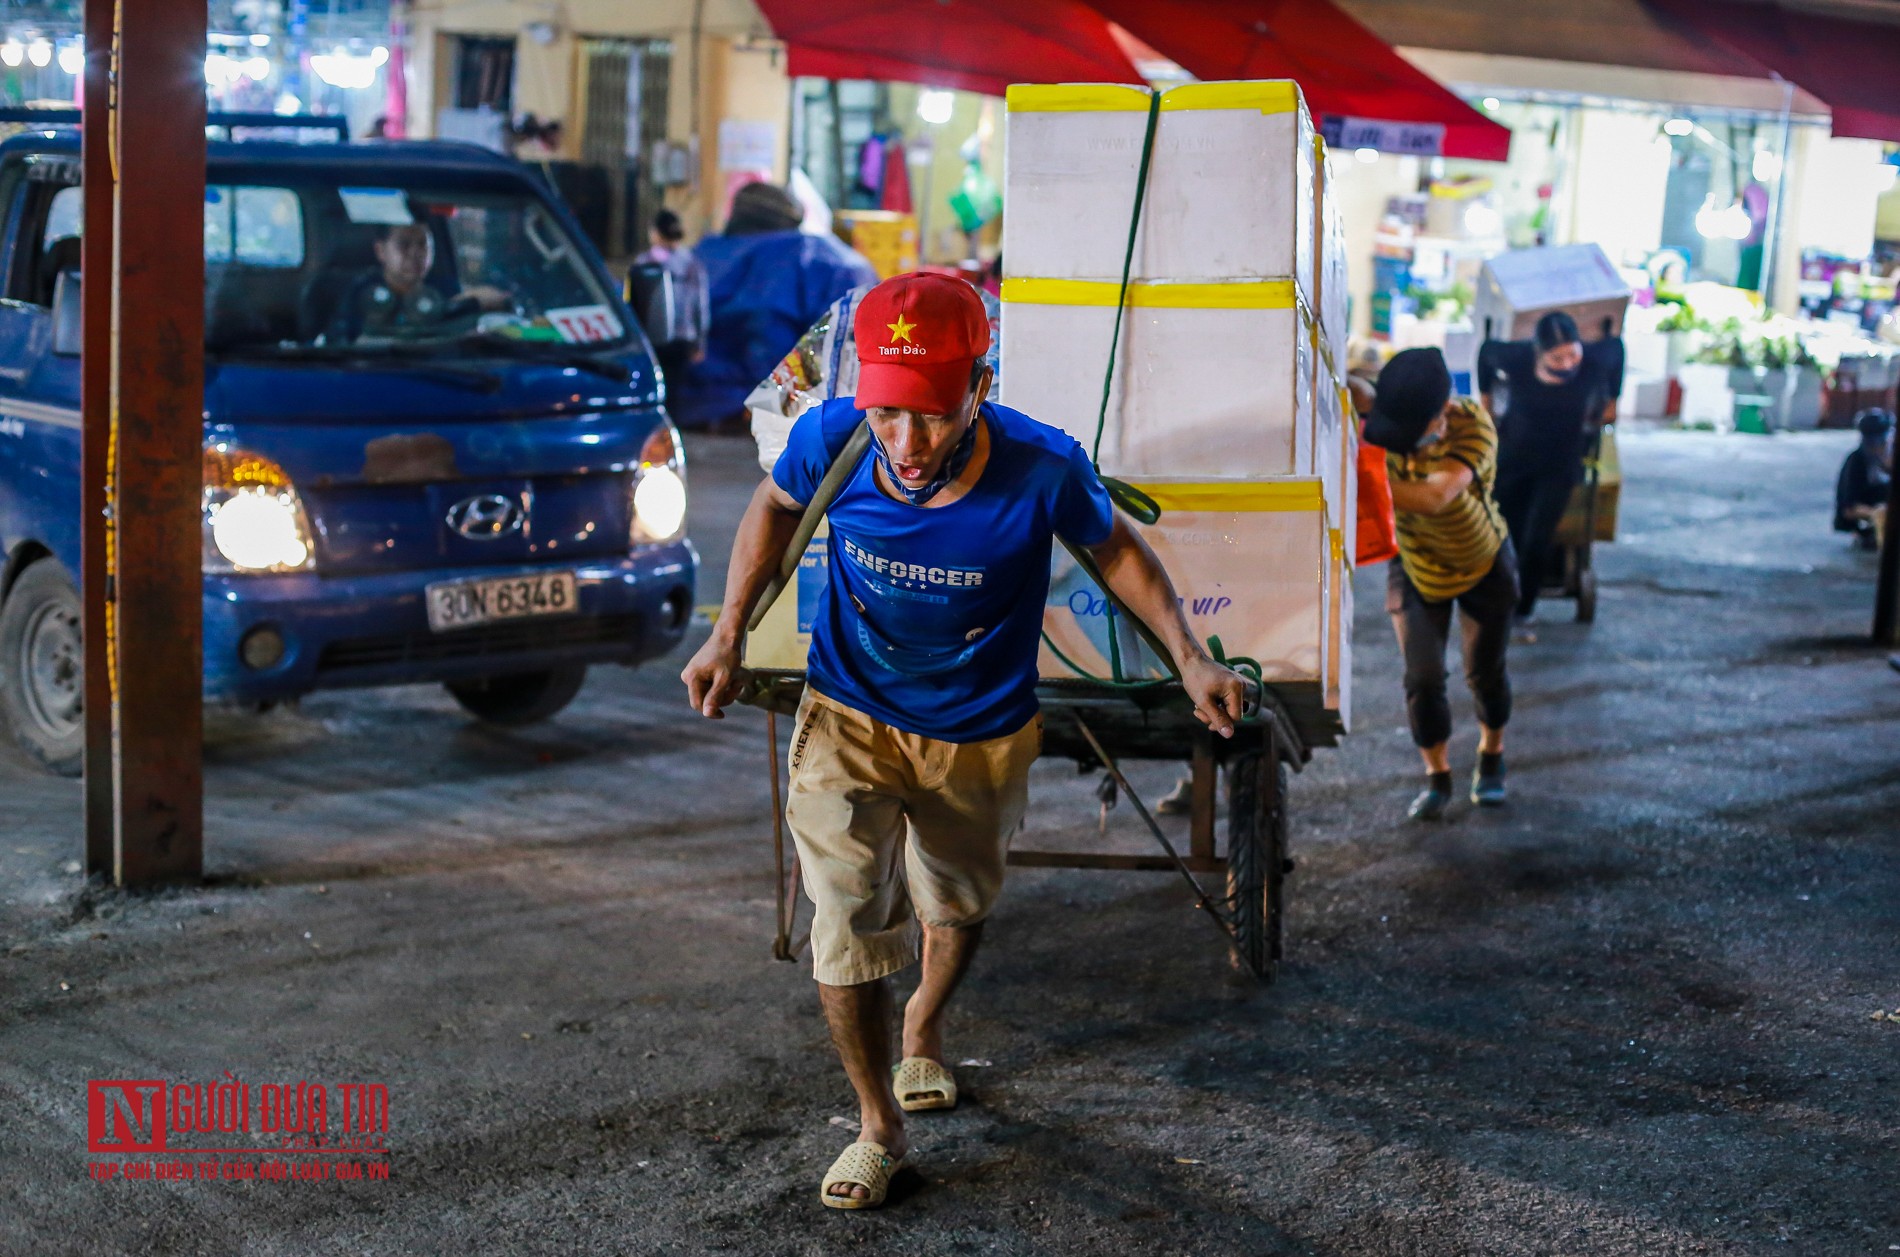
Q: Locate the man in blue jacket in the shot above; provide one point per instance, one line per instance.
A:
(919, 721)
(768, 282)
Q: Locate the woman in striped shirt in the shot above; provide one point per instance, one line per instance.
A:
(1454, 550)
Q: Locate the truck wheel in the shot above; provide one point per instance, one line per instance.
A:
(43, 668)
(520, 698)
(1587, 596)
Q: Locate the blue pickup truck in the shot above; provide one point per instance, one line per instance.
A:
(435, 447)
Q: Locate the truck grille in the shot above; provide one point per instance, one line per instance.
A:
(508, 638)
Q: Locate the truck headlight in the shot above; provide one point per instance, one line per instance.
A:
(253, 519)
(659, 488)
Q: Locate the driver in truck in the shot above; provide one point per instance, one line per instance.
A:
(395, 299)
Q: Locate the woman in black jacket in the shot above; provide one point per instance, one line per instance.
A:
(1548, 395)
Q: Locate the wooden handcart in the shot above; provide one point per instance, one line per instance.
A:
(1240, 884)
(1589, 517)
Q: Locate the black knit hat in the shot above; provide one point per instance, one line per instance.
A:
(1412, 389)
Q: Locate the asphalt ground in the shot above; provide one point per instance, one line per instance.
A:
(1632, 1013)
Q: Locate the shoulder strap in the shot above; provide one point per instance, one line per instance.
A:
(821, 500)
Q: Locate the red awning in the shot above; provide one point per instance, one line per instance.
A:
(975, 45)
(1853, 66)
(1363, 94)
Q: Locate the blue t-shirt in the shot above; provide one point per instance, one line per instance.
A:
(931, 617)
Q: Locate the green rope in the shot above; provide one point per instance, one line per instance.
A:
(1082, 672)
(1128, 264)
(1125, 497)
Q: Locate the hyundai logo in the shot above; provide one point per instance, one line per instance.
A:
(487, 516)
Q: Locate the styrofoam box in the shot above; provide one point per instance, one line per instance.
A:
(1259, 578)
(1268, 582)
(1198, 392)
(1334, 306)
(1230, 187)
(1339, 635)
(1329, 463)
(783, 637)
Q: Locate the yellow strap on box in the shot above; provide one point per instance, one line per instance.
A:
(1338, 537)
(1266, 95)
(1076, 98)
(1265, 294)
(1241, 495)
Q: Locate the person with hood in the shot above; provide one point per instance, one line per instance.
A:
(768, 281)
(1454, 553)
(1860, 495)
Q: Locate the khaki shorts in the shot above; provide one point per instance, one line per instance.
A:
(862, 790)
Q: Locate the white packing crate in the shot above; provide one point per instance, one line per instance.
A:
(783, 638)
(1230, 187)
(1252, 565)
(1339, 635)
(1329, 260)
(1517, 288)
(1345, 548)
(1212, 381)
(1255, 564)
(1330, 464)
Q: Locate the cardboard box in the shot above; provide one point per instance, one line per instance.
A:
(1230, 189)
(1517, 288)
(887, 239)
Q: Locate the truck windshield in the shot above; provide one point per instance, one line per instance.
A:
(310, 269)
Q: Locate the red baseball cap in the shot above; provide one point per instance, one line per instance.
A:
(917, 335)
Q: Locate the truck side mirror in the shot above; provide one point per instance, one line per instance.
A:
(68, 328)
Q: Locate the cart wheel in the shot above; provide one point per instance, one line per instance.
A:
(1256, 859)
(1587, 596)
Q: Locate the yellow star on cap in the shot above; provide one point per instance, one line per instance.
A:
(901, 330)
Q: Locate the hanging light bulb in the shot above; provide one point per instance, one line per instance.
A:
(1708, 219)
(72, 57)
(13, 51)
(1728, 222)
(935, 107)
(257, 69)
(39, 52)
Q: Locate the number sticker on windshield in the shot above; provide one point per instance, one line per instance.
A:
(581, 324)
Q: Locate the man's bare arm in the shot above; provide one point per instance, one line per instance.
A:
(713, 676)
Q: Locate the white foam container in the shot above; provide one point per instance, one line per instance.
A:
(1257, 574)
(1211, 393)
(1230, 189)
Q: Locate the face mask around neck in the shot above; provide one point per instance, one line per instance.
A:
(952, 466)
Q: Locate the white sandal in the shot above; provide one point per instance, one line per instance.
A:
(922, 1084)
(864, 1164)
